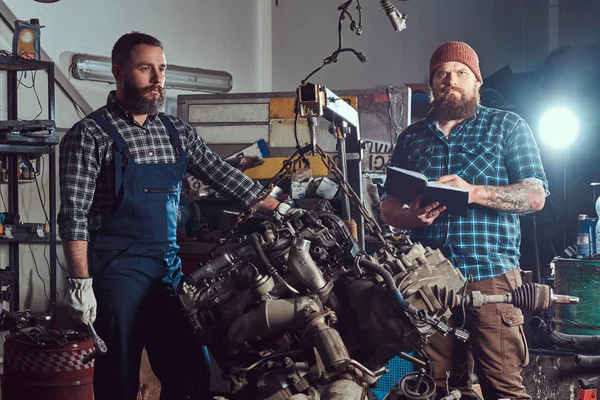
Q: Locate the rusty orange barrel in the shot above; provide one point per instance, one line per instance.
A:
(47, 365)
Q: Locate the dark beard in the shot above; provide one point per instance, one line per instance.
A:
(138, 103)
(450, 108)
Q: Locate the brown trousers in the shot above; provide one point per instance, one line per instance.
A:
(497, 346)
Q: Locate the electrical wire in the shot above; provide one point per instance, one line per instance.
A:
(37, 96)
(43, 204)
(341, 49)
(32, 86)
(37, 185)
(23, 74)
(43, 188)
(37, 270)
(357, 28)
(463, 301)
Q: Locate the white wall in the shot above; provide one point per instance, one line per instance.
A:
(230, 35)
(512, 32)
(213, 34)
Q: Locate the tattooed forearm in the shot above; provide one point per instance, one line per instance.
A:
(521, 198)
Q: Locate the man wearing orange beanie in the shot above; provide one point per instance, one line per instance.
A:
(492, 154)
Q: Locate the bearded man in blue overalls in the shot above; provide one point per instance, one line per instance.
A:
(120, 174)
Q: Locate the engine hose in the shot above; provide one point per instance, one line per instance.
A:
(270, 269)
(280, 244)
(575, 342)
(289, 287)
(255, 240)
(587, 361)
(389, 281)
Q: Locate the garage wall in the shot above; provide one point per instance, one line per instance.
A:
(503, 32)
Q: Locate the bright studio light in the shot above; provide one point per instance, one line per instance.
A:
(559, 128)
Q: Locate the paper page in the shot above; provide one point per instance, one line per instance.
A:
(444, 186)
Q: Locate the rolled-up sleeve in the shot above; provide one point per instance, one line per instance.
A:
(522, 156)
(212, 170)
(78, 171)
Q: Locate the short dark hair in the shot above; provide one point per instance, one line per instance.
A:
(122, 48)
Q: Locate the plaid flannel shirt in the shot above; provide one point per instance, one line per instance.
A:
(87, 174)
(495, 148)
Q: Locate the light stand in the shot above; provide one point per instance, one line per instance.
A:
(559, 128)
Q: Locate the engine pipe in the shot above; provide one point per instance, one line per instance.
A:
(389, 281)
(575, 342)
(270, 269)
(304, 267)
(272, 316)
(529, 296)
(586, 361)
(255, 239)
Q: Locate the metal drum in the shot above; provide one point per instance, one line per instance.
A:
(47, 365)
(579, 278)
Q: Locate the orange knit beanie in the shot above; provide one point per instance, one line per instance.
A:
(455, 52)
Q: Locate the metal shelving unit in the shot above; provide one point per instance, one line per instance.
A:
(18, 144)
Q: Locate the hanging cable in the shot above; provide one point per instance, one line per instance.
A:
(37, 270)
(357, 28)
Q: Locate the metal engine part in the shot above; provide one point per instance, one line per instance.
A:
(529, 296)
(298, 311)
(16, 320)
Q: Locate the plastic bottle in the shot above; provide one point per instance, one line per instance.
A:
(586, 236)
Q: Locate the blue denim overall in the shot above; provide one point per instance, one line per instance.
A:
(136, 271)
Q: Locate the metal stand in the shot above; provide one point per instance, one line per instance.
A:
(15, 146)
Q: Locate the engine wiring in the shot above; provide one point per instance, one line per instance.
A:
(357, 28)
(23, 75)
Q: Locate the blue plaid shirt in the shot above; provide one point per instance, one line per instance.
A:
(493, 148)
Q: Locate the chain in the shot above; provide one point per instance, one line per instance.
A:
(286, 168)
(370, 223)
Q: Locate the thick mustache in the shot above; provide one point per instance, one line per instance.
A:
(158, 88)
(451, 89)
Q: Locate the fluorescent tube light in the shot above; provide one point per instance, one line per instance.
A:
(98, 68)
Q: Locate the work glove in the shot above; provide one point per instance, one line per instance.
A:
(80, 299)
(283, 208)
(287, 210)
